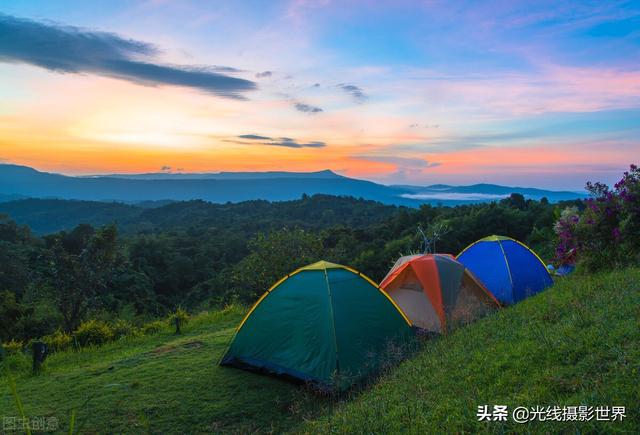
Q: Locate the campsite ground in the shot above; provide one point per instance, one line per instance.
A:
(575, 344)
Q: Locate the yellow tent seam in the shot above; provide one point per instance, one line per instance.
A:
(333, 321)
(506, 261)
(338, 266)
(463, 251)
(381, 290)
(534, 253)
(264, 295)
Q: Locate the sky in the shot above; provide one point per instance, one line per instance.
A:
(542, 94)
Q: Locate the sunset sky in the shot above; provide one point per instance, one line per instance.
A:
(535, 93)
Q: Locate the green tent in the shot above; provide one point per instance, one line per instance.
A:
(325, 324)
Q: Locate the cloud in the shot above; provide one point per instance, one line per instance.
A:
(406, 169)
(416, 125)
(278, 141)
(165, 168)
(549, 87)
(68, 49)
(254, 137)
(302, 107)
(455, 196)
(264, 74)
(356, 92)
(226, 69)
(470, 141)
(406, 162)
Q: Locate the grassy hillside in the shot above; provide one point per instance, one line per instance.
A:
(574, 344)
(159, 384)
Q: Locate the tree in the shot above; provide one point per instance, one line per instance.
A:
(516, 200)
(435, 232)
(76, 276)
(273, 256)
(11, 312)
(16, 245)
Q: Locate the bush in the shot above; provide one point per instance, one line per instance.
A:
(179, 317)
(93, 332)
(607, 234)
(567, 238)
(153, 327)
(13, 347)
(122, 328)
(58, 341)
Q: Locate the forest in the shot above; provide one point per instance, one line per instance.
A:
(197, 255)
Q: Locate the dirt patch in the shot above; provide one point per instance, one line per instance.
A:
(163, 349)
(172, 348)
(192, 344)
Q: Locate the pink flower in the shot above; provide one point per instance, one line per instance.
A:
(616, 233)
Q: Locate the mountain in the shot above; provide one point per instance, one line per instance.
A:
(10, 197)
(227, 187)
(222, 187)
(323, 175)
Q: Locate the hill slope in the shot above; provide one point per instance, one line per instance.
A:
(51, 215)
(574, 344)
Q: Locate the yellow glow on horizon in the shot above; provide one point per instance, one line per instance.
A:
(96, 125)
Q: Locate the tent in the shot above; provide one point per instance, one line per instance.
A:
(325, 324)
(436, 292)
(507, 267)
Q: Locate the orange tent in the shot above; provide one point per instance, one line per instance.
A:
(437, 292)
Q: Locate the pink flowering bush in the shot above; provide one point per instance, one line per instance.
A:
(566, 231)
(607, 234)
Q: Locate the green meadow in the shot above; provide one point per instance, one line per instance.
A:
(574, 344)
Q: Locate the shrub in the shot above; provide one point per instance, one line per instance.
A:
(13, 347)
(153, 327)
(607, 234)
(58, 341)
(178, 318)
(566, 231)
(122, 328)
(93, 332)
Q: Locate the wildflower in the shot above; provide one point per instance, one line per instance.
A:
(616, 234)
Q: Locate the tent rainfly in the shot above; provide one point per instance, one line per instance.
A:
(437, 292)
(508, 268)
(325, 324)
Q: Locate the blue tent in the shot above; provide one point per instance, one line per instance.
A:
(507, 268)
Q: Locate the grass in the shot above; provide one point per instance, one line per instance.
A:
(164, 383)
(575, 344)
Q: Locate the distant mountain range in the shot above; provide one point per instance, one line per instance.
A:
(17, 182)
(326, 174)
